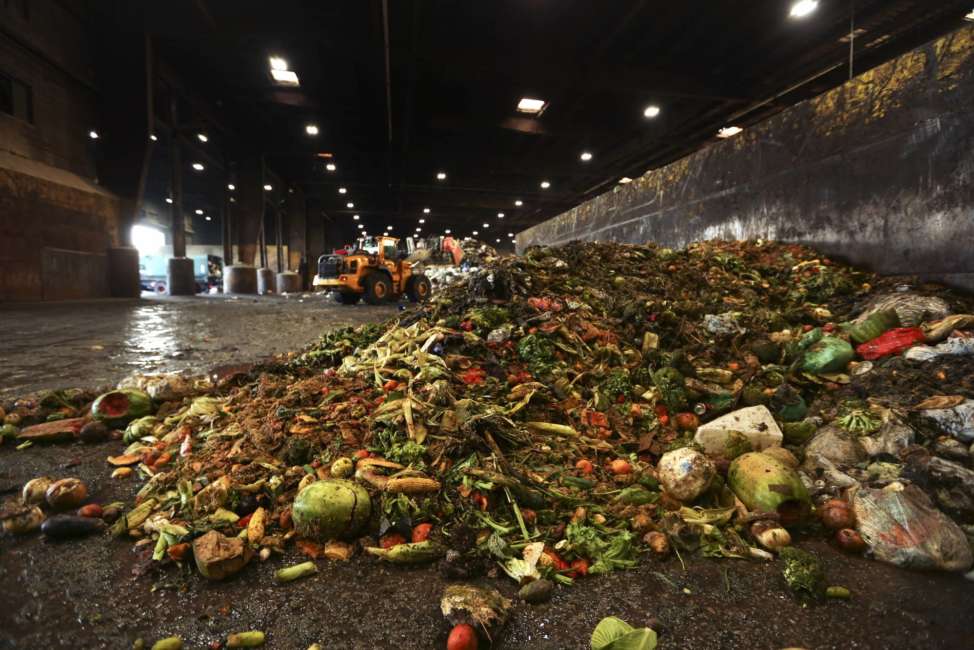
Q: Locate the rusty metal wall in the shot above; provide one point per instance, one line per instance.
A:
(878, 172)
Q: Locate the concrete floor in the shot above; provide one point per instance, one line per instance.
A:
(91, 343)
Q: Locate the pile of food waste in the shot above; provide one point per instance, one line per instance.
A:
(567, 413)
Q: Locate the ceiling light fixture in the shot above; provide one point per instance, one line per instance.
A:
(426, 210)
(93, 134)
(278, 63)
(729, 131)
(152, 136)
(651, 111)
(486, 226)
(498, 240)
(198, 166)
(209, 218)
(441, 176)
(422, 220)
(545, 185)
(202, 137)
(625, 180)
(500, 215)
(342, 190)
(803, 8)
(331, 167)
(285, 78)
(510, 234)
(388, 227)
(349, 205)
(586, 156)
(311, 129)
(360, 226)
(231, 186)
(355, 217)
(233, 200)
(531, 106)
(268, 187)
(475, 233)
(518, 203)
(418, 229)
(198, 211)
(446, 232)
(168, 200)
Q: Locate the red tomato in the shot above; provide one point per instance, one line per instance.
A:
(462, 637)
(361, 453)
(391, 539)
(390, 385)
(580, 567)
(556, 561)
(92, 510)
(529, 516)
(243, 521)
(584, 466)
(620, 466)
(687, 421)
(733, 366)
(421, 532)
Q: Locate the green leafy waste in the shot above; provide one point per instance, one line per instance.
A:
(606, 551)
(615, 634)
(538, 352)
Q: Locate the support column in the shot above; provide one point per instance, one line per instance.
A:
(241, 276)
(180, 279)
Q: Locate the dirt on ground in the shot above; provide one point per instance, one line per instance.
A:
(92, 593)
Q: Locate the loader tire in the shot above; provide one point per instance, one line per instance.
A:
(378, 289)
(418, 288)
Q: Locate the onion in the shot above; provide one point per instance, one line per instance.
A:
(66, 493)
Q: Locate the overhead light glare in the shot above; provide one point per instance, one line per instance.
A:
(209, 218)
(278, 63)
(518, 203)
(198, 211)
(651, 111)
(231, 186)
(342, 190)
(545, 185)
(625, 180)
(419, 229)
(198, 166)
(349, 205)
(285, 78)
(331, 167)
(475, 233)
(152, 136)
(446, 232)
(500, 215)
(486, 226)
(325, 154)
(729, 131)
(202, 137)
(311, 129)
(422, 220)
(586, 156)
(355, 217)
(168, 200)
(426, 210)
(531, 106)
(441, 176)
(498, 240)
(360, 226)
(93, 134)
(268, 187)
(510, 234)
(803, 8)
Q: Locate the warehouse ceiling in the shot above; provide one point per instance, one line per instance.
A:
(406, 89)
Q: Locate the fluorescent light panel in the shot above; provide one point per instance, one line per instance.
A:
(531, 106)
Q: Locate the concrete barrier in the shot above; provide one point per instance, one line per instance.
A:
(240, 279)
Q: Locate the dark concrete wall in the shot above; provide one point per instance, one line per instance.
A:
(878, 172)
(40, 211)
(49, 52)
(56, 224)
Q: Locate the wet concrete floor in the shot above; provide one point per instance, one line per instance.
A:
(91, 343)
(93, 593)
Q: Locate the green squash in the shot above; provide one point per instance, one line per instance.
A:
(764, 484)
(331, 509)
